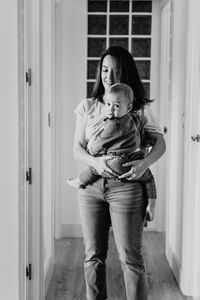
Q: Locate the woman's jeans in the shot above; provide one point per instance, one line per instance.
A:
(123, 205)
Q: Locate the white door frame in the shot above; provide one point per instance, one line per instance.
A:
(23, 255)
(191, 205)
(157, 224)
(37, 213)
(30, 20)
(187, 267)
(165, 102)
(57, 109)
(175, 141)
(29, 57)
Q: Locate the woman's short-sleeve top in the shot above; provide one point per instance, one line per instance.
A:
(92, 111)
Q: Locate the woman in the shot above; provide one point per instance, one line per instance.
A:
(108, 201)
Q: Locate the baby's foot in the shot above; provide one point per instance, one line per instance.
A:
(75, 182)
(150, 213)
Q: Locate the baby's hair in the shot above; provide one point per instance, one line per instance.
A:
(123, 88)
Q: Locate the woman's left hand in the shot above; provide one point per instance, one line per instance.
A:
(138, 167)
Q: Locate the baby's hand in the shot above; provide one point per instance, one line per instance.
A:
(100, 164)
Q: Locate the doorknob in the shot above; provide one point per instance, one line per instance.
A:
(196, 138)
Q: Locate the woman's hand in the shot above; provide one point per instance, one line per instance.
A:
(100, 164)
(138, 167)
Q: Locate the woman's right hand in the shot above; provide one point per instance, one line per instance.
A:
(101, 166)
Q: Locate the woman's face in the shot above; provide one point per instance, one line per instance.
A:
(110, 72)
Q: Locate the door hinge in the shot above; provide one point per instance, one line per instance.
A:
(29, 271)
(29, 77)
(29, 175)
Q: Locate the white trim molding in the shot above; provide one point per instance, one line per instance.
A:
(30, 206)
(191, 206)
(165, 107)
(174, 262)
(57, 109)
(48, 275)
(175, 61)
(22, 150)
(37, 213)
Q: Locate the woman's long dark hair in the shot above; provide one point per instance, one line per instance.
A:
(128, 74)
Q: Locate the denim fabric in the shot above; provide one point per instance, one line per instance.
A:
(121, 204)
(115, 162)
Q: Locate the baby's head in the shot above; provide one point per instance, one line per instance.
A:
(118, 100)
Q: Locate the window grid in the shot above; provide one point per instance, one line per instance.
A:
(108, 22)
(129, 36)
(120, 13)
(129, 29)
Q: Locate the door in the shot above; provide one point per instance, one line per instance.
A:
(165, 100)
(30, 206)
(28, 101)
(191, 205)
(25, 159)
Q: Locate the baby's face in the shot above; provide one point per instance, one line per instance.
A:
(116, 105)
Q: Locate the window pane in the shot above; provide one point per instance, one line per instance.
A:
(96, 24)
(123, 42)
(119, 25)
(97, 6)
(142, 6)
(143, 69)
(119, 6)
(141, 25)
(147, 89)
(89, 89)
(141, 47)
(92, 69)
(96, 46)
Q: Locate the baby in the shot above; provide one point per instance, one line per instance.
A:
(120, 139)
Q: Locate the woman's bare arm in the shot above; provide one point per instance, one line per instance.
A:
(79, 145)
(159, 148)
(138, 167)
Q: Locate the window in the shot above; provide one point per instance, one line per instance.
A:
(126, 23)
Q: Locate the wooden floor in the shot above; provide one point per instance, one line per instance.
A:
(68, 279)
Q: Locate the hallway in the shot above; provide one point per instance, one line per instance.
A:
(68, 278)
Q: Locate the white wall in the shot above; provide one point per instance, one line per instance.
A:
(9, 191)
(157, 223)
(176, 137)
(73, 87)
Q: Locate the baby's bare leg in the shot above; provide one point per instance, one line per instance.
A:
(87, 176)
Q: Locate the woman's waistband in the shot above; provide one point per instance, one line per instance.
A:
(133, 155)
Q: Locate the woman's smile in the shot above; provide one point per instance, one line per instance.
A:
(109, 72)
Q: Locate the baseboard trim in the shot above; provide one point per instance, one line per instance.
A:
(174, 263)
(48, 274)
(72, 230)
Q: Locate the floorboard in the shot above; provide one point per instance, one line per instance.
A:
(68, 283)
